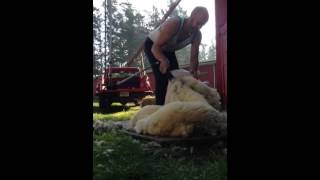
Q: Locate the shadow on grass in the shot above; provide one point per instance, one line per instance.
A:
(112, 109)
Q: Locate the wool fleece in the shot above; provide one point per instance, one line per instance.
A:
(190, 104)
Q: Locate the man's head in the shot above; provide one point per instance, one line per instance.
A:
(199, 16)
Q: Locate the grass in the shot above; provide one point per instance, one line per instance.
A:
(118, 112)
(117, 156)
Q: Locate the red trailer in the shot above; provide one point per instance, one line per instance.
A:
(96, 82)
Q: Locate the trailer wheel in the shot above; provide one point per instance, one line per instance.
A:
(104, 103)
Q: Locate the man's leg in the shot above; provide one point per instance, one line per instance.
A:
(173, 60)
(161, 80)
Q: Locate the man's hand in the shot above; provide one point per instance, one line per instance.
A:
(164, 65)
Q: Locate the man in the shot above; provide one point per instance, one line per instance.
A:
(174, 34)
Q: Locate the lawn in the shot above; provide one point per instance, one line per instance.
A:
(118, 112)
(117, 156)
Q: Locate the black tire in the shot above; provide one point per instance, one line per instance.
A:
(104, 103)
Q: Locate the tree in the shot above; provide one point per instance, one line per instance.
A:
(178, 11)
(111, 29)
(127, 29)
(203, 53)
(133, 31)
(97, 43)
(212, 52)
(154, 19)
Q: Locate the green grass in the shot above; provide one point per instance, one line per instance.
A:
(118, 116)
(117, 156)
(119, 113)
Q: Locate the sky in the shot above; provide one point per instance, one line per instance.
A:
(143, 6)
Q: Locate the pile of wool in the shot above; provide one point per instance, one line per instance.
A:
(148, 100)
(190, 106)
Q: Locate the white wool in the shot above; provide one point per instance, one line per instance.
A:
(210, 94)
(178, 91)
(144, 112)
(189, 103)
(176, 118)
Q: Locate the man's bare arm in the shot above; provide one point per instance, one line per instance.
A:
(194, 61)
(167, 30)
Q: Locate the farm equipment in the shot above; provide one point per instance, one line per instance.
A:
(122, 84)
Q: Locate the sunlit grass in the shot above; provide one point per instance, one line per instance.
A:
(121, 114)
